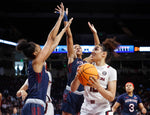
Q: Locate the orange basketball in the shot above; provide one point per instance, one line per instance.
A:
(86, 71)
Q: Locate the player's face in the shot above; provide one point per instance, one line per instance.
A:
(97, 53)
(77, 49)
(129, 88)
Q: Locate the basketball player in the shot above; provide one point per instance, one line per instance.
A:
(72, 101)
(37, 77)
(129, 101)
(49, 106)
(97, 98)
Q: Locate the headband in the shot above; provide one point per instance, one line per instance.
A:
(129, 83)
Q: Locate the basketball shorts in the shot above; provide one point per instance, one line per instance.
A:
(72, 102)
(32, 109)
(100, 113)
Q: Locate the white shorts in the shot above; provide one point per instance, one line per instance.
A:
(95, 109)
(50, 109)
(100, 113)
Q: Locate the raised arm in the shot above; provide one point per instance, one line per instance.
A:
(51, 43)
(96, 40)
(69, 38)
(58, 37)
(94, 31)
(55, 29)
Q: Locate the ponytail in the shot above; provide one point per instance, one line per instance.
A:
(109, 45)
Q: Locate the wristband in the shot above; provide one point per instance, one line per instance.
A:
(65, 16)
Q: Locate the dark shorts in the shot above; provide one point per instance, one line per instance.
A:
(32, 109)
(72, 102)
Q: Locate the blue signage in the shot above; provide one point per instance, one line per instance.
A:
(89, 48)
(125, 49)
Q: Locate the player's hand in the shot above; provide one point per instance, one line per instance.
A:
(92, 28)
(24, 94)
(94, 82)
(144, 111)
(66, 11)
(60, 9)
(78, 68)
(18, 94)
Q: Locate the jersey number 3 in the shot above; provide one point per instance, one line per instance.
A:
(131, 107)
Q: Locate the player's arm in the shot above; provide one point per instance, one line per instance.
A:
(52, 41)
(23, 87)
(142, 108)
(75, 83)
(115, 106)
(96, 41)
(54, 31)
(94, 31)
(108, 93)
(88, 59)
(69, 38)
(22, 91)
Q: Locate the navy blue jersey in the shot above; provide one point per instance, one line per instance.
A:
(38, 83)
(129, 104)
(72, 69)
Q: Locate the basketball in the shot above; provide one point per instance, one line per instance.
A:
(86, 71)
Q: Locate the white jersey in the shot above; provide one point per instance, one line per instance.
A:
(49, 87)
(50, 107)
(91, 95)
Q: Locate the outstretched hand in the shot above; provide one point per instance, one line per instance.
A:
(60, 9)
(92, 28)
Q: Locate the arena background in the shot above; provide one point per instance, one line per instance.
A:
(127, 20)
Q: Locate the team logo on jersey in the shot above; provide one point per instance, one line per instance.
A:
(135, 97)
(101, 78)
(126, 97)
(104, 73)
